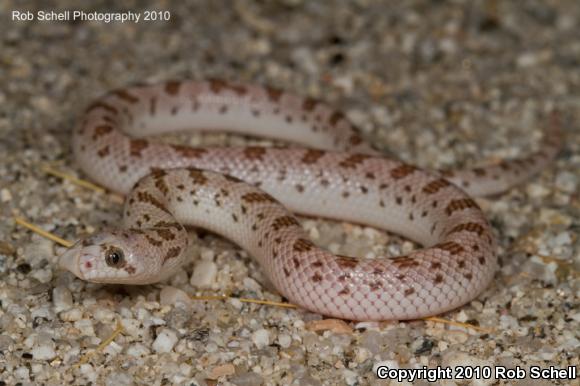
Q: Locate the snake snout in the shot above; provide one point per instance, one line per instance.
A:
(69, 261)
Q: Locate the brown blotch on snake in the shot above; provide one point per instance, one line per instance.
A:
(274, 94)
(346, 262)
(355, 140)
(152, 241)
(461, 204)
(309, 104)
(101, 130)
(353, 160)
(126, 96)
(160, 183)
(148, 198)
(402, 171)
(404, 261)
(303, 245)
(296, 263)
(479, 172)
(136, 147)
(312, 156)
(469, 227)
(451, 247)
(335, 118)
(255, 153)
(317, 264)
(103, 152)
(172, 87)
(217, 85)
(375, 286)
(256, 197)
(316, 277)
(434, 186)
(232, 178)
(171, 253)
(344, 291)
(167, 224)
(165, 233)
(197, 177)
(284, 221)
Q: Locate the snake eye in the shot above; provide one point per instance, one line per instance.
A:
(114, 257)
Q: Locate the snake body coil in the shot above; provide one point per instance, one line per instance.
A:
(235, 191)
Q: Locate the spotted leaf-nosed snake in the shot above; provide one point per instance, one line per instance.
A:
(234, 191)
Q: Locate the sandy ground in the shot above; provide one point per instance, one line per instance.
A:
(438, 83)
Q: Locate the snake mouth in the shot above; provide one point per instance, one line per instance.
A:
(69, 261)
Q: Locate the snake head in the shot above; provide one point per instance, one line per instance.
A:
(107, 257)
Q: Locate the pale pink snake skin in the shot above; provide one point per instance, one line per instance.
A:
(345, 179)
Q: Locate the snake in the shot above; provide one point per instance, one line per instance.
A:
(249, 194)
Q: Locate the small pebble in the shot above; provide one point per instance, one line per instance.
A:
(350, 377)
(185, 369)
(537, 191)
(391, 364)
(459, 359)
(6, 342)
(88, 372)
(170, 296)
(563, 238)
(137, 350)
(105, 315)
(261, 338)
(204, 274)
(207, 254)
(132, 327)
(165, 341)
(72, 315)
(22, 373)
(44, 352)
(119, 379)
(284, 340)
(5, 195)
(371, 341)
(567, 181)
(361, 354)
(247, 379)
(62, 299)
(251, 284)
(220, 371)
(335, 325)
(85, 326)
(113, 349)
(528, 59)
(6, 249)
(42, 275)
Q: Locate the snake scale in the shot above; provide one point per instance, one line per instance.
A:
(236, 192)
